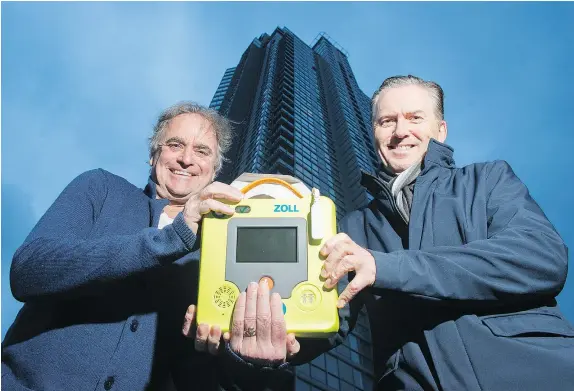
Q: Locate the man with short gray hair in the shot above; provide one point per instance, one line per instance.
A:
(108, 272)
(458, 267)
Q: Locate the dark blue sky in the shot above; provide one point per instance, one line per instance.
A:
(83, 82)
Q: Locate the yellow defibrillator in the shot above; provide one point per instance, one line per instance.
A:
(275, 234)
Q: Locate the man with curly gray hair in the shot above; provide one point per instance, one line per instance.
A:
(108, 273)
(220, 125)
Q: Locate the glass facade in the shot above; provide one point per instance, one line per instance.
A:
(222, 89)
(298, 110)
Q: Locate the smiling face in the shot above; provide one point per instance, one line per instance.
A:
(185, 162)
(404, 122)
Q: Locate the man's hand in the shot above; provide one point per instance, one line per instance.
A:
(258, 332)
(258, 329)
(207, 200)
(206, 338)
(343, 256)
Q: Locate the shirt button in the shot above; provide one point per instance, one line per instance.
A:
(109, 383)
(134, 325)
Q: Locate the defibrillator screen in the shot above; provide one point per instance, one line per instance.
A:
(266, 245)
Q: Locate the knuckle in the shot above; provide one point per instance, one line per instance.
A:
(237, 328)
(334, 274)
(204, 192)
(277, 335)
(250, 320)
(343, 237)
(278, 324)
(353, 289)
(328, 262)
(347, 263)
(213, 338)
(189, 317)
(339, 246)
(264, 320)
(261, 294)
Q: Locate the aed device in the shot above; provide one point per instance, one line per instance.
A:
(276, 234)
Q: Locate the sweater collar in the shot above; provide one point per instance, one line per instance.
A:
(151, 188)
(151, 191)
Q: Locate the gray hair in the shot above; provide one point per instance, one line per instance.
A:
(399, 81)
(220, 124)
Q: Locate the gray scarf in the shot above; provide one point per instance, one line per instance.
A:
(402, 188)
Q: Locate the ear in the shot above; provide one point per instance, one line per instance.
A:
(442, 131)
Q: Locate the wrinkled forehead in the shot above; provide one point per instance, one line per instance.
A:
(190, 127)
(404, 99)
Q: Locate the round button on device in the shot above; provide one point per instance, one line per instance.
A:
(268, 280)
(307, 297)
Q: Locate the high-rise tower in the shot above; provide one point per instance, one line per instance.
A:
(298, 110)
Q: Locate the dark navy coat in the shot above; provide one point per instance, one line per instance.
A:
(464, 297)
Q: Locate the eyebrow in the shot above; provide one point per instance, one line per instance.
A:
(386, 116)
(176, 140)
(203, 146)
(415, 112)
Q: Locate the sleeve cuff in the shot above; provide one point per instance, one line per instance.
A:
(184, 232)
(255, 367)
(387, 271)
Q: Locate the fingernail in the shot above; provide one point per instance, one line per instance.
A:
(324, 273)
(253, 284)
(341, 303)
(212, 332)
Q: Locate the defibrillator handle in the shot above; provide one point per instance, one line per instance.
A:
(271, 180)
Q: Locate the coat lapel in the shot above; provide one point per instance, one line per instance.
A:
(438, 157)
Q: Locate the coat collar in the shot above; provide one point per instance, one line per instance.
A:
(439, 154)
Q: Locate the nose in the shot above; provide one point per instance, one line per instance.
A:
(402, 128)
(187, 157)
